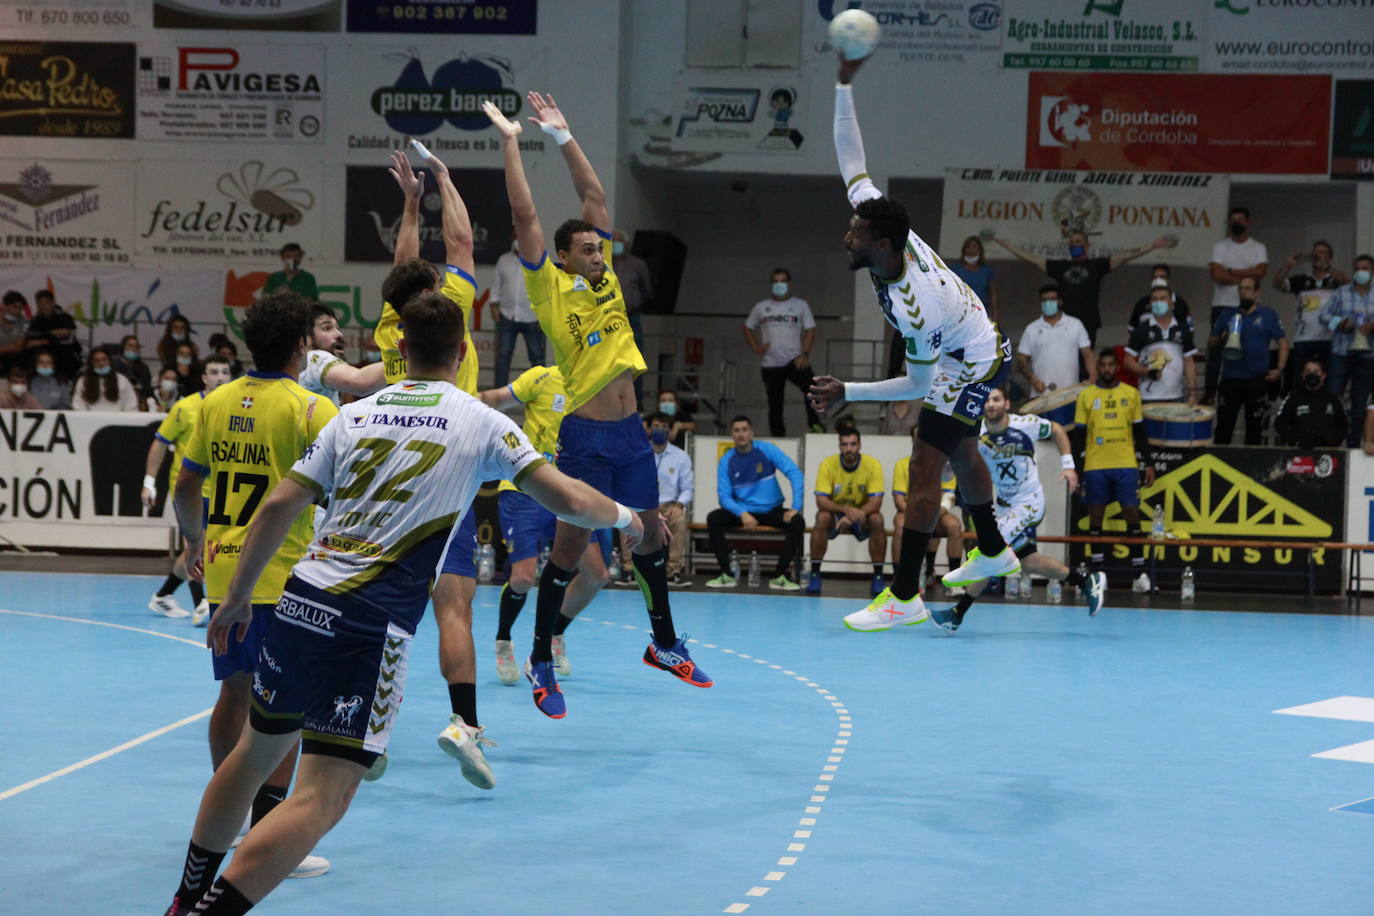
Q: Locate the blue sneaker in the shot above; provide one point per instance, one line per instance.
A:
(948, 619)
(677, 662)
(1095, 590)
(813, 584)
(878, 584)
(547, 696)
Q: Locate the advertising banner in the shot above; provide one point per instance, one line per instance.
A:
(1119, 211)
(105, 14)
(246, 91)
(66, 212)
(373, 215)
(1159, 35)
(1178, 123)
(740, 112)
(1290, 36)
(1359, 528)
(1352, 130)
(245, 209)
(1254, 494)
(78, 89)
(468, 17)
(919, 31)
(264, 15)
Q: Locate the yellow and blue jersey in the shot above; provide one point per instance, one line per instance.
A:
(949, 484)
(175, 431)
(461, 290)
(746, 481)
(846, 487)
(541, 390)
(1109, 414)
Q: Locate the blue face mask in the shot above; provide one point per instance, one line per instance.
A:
(101, 370)
(617, 248)
(131, 355)
(1050, 307)
(45, 371)
(1160, 307)
(667, 407)
(658, 435)
(780, 289)
(1361, 278)
(1077, 251)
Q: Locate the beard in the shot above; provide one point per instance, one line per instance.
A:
(859, 260)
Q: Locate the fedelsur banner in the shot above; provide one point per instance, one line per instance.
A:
(1162, 122)
(1036, 210)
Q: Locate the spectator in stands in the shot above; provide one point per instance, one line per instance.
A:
(1160, 276)
(1311, 337)
(675, 486)
(167, 391)
(14, 328)
(1311, 416)
(226, 349)
(900, 418)
(176, 333)
(1160, 353)
(972, 267)
(670, 405)
(99, 387)
(53, 328)
(132, 365)
(16, 395)
(1052, 345)
(53, 391)
(1241, 336)
(291, 277)
(749, 495)
(1233, 259)
(637, 288)
(1080, 277)
(781, 331)
(1349, 313)
(849, 500)
(184, 363)
(510, 307)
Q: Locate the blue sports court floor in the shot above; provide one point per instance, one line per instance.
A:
(1039, 762)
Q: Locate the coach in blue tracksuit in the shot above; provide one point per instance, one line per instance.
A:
(747, 487)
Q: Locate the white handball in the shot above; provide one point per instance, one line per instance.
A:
(854, 34)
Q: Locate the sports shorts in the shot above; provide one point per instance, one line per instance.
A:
(1108, 485)
(613, 457)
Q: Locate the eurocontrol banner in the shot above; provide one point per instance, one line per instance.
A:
(1148, 122)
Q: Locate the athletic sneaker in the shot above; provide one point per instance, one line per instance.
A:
(677, 662)
(676, 580)
(886, 611)
(1095, 590)
(561, 665)
(378, 767)
(547, 696)
(310, 867)
(1141, 585)
(506, 668)
(464, 743)
(626, 580)
(877, 585)
(955, 591)
(781, 583)
(724, 580)
(201, 615)
(978, 567)
(813, 584)
(167, 606)
(948, 619)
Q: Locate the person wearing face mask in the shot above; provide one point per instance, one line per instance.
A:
(184, 362)
(510, 307)
(134, 368)
(682, 423)
(1051, 346)
(781, 331)
(1245, 372)
(1160, 353)
(1234, 258)
(1349, 313)
(54, 329)
(17, 396)
(972, 267)
(675, 486)
(14, 327)
(166, 392)
(1311, 337)
(637, 288)
(1160, 277)
(176, 333)
(99, 387)
(291, 276)
(53, 391)
(1311, 416)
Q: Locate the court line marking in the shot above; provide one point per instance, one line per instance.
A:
(112, 626)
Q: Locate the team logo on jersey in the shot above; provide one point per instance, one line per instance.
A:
(358, 422)
(559, 402)
(593, 338)
(579, 284)
(345, 544)
(246, 403)
(217, 549)
(346, 709)
(512, 440)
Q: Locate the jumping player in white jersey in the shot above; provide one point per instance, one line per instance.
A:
(400, 470)
(1008, 446)
(327, 375)
(954, 355)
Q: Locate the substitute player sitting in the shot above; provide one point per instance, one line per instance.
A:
(849, 500)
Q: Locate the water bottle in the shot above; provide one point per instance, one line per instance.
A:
(1025, 585)
(486, 563)
(1054, 591)
(1188, 589)
(734, 566)
(1157, 531)
(543, 558)
(754, 580)
(1013, 586)
(614, 567)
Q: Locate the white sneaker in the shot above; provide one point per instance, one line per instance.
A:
(377, 769)
(1141, 583)
(978, 567)
(886, 611)
(561, 666)
(243, 831)
(955, 591)
(310, 867)
(167, 606)
(464, 743)
(506, 668)
(201, 615)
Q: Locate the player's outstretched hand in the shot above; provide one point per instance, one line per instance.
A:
(411, 182)
(826, 392)
(848, 68)
(429, 158)
(149, 496)
(546, 113)
(505, 125)
(230, 616)
(633, 533)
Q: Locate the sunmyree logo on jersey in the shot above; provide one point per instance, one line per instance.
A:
(416, 104)
(405, 399)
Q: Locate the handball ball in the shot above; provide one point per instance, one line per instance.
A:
(854, 34)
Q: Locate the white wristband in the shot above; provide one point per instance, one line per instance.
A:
(560, 134)
(625, 517)
(150, 482)
(420, 148)
(1066, 462)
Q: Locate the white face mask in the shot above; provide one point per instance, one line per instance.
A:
(779, 289)
(971, 260)
(1157, 282)
(168, 385)
(18, 389)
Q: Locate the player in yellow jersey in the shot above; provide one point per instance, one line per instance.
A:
(248, 435)
(950, 526)
(175, 432)
(849, 500)
(1114, 448)
(580, 307)
(529, 527)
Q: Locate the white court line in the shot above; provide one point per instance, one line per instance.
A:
(112, 626)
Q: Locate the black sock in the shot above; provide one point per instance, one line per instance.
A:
(1095, 554)
(548, 607)
(268, 797)
(564, 621)
(964, 603)
(511, 605)
(169, 585)
(815, 566)
(990, 542)
(1074, 579)
(906, 582)
(930, 564)
(463, 699)
(651, 572)
(197, 591)
(198, 873)
(877, 569)
(222, 899)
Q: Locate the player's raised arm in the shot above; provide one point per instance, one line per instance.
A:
(357, 381)
(529, 234)
(849, 143)
(457, 223)
(588, 187)
(412, 185)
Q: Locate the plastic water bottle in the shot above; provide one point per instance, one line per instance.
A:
(1157, 531)
(1013, 586)
(1188, 589)
(486, 563)
(754, 580)
(1054, 591)
(614, 567)
(1025, 585)
(544, 553)
(734, 566)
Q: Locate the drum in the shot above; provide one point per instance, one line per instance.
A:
(1054, 405)
(1178, 425)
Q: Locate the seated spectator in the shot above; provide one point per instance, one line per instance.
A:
(177, 332)
(1052, 345)
(55, 329)
(1159, 277)
(16, 395)
(671, 406)
(1160, 353)
(1311, 416)
(849, 500)
(750, 496)
(675, 485)
(133, 366)
(1349, 313)
(226, 349)
(14, 328)
(99, 387)
(188, 379)
(167, 392)
(900, 418)
(950, 525)
(53, 391)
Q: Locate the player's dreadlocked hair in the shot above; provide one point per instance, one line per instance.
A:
(562, 239)
(406, 279)
(274, 327)
(887, 219)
